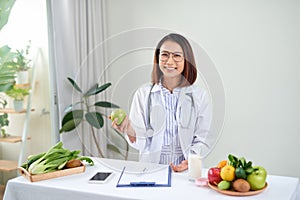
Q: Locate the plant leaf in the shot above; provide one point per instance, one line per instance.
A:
(6, 87)
(103, 87)
(70, 125)
(106, 104)
(95, 119)
(74, 84)
(70, 116)
(70, 107)
(5, 7)
(91, 91)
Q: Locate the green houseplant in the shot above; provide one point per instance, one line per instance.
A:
(3, 118)
(7, 73)
(84, 111)
(18, 94)
(22, 63)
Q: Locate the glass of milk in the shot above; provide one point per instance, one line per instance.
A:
(194, 165)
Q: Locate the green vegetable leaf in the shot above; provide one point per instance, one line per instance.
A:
(249, 170)
(87, 159)
(95, 119)
(242, 162)
(106, 104)
(74, 84)
(233, 161)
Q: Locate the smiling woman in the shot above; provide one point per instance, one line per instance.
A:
(161, 135)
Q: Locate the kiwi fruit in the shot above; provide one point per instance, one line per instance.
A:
(241, 185)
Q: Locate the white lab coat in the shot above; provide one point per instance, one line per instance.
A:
(197, 132)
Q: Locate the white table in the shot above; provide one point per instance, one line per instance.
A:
(76, 187)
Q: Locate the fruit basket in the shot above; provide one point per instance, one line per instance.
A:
(237, 177)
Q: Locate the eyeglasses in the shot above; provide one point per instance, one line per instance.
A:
(165, 55)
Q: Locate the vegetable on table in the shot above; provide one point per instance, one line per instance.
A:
(54, 159)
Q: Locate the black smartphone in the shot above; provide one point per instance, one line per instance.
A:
(101, 177)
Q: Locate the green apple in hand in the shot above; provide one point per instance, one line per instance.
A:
(257, 179)
(118, 114)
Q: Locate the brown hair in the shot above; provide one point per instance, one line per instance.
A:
(190, 70)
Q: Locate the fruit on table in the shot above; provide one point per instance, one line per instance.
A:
(228, 173)
(222, 164)
(237, 174)
(224, 185)
(73, 163)
(213, 175)
(118, 114)
(241, 185)
(257, 179)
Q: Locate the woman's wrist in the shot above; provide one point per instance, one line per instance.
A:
(130, 133)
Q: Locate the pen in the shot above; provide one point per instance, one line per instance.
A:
(135, 184)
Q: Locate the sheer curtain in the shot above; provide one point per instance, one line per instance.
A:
(76, 35)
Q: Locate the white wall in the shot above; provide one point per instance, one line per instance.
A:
(255, 47)
(28, 21)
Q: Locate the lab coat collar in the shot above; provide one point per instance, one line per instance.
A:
(157, 87)
(187, 89)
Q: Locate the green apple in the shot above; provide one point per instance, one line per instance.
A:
(257, 179)
(118, 114)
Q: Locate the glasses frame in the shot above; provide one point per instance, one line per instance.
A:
(170, 53)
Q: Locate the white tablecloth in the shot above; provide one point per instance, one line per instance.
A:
(76, 187)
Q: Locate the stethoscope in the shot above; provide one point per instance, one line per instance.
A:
(184, 122)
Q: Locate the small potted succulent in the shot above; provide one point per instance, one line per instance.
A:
(18, 94)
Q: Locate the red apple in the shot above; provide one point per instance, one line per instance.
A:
(213, 175)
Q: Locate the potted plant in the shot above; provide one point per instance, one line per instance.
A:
(84, 111)
(18, 94)
(3, 118)
(22, 64)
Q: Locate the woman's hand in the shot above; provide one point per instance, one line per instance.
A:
(125, 127)
(181, 167)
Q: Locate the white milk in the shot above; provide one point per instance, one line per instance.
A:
(195, 165)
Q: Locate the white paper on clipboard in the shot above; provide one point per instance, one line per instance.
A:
(160, 176)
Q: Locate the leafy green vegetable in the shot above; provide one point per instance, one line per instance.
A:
(240, 162)
(52, 160)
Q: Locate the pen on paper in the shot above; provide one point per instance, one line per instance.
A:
(142, 172)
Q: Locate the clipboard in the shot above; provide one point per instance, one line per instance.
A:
(160, 177)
